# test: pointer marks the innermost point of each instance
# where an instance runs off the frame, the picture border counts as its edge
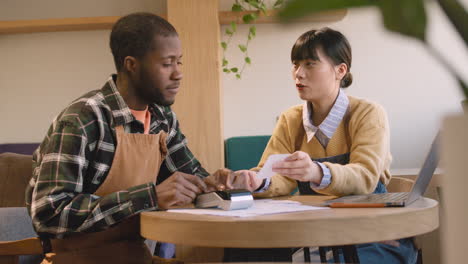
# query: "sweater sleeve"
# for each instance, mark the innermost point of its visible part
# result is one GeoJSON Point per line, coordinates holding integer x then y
{"type": "Point", "coordinates": [280, 143]}
{"type": "Point", "coordinates": [369, 154]}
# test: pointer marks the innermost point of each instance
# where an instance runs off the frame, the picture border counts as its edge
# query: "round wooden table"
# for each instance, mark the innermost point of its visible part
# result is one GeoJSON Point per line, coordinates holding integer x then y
{"type": "Point", "coordinates": [329, 227]}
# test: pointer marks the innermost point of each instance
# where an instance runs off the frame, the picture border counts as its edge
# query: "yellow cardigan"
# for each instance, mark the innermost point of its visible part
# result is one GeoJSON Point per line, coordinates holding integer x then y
{"type": "Point", "coordinates": [366, 136]}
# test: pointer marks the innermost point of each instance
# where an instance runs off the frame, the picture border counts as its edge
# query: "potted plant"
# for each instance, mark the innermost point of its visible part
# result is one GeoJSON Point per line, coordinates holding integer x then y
{"type": "Point", "coordinates": [408, 17]}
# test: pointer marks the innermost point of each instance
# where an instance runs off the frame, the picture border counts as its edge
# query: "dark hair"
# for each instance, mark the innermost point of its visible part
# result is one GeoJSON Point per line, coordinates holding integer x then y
{"type": "Point", "coordinates": [132, 35]}
{"type": "Point", "coordinates": [334, 45]}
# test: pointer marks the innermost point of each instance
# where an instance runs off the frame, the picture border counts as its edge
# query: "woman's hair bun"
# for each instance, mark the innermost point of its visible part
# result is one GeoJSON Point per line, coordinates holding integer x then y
{"type": "Point", "coordinates": [347, 80]}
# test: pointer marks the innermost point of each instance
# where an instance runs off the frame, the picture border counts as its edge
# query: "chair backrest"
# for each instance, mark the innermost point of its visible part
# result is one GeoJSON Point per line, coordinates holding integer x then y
{"type": "Point", "coordinates": [399, 184]}
{"type": "Point", "coordinates": [15, 173]}
{"type": "Point", "coordinates": [244, 152]}
{"type": "Point", "coordinates": [20, 148]}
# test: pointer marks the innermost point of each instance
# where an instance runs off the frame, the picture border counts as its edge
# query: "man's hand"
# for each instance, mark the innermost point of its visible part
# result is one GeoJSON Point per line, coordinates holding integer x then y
{"type": "Point", "coordinates": [179, 189]}
{"type": "Point", "coordinates": [299, 166]}
{"type": "Point", "coordinates": [218, 180]}
{"type": "Point", "coordinates": [227, 179]}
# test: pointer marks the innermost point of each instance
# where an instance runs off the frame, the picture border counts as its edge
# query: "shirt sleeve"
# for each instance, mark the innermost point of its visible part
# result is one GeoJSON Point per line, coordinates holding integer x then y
{"type": "Point", "coordinates": [179, 156]}
{"type": "Point", "coordinates": [280, 143]}
{"type": "Point", "coordinates": [60, 202]}
{"type": "Point", "coordinates": [326, 179]}
{"type": "Point", "coordinates": [266, 185]}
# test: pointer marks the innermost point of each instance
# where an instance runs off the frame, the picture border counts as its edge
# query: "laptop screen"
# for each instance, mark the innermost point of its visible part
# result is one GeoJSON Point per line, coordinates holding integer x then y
{"type": "Point", "coordinates": [426, 172]}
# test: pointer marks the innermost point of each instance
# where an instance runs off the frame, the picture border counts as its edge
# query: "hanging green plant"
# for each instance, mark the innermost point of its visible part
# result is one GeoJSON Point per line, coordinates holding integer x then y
{"type": "Point", "coordinates": [255, 8]}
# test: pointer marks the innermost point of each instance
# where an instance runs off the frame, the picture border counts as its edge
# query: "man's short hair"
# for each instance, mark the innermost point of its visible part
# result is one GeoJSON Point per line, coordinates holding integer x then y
{"type": "Point", "coordinates": [133, 34]}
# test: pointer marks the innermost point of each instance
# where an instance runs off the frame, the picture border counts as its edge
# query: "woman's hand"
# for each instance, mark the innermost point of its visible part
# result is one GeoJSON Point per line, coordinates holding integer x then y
{"type": "Point", "coordinates": [299, 166]}
{"type": "Point", "coordinates": [248, 180]}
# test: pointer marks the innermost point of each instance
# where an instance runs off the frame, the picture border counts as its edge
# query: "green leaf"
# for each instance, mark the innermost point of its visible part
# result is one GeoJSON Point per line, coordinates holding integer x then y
{"type": "Point", "coordinates": [464, 87]}
{"type": "Point", "coordinates": [247, 60]}
{"type": "Point", "coordinates": [278, 3]}
{"type": "Point", "coordinates": [238, 76]}
{"type": "Point", "coordinates": [300, 8]}
{"type": "Point", "coordinates": [405, 17]}
{"type": "Point", "coordinates": [457, 15]}
{"type": "Point", "coordinates": [249, 18]}
{"type": "Point", "coordinates": [243, 48]}
{"type": "Point", "coordinates": [229, 32]}
{"type": "Point", "coordinates": [234, 69]}
{"type": "Point", "coordinates": [237, 8]}
{"type": "Point", "coordinates": [224, 45]}
{"type": "Point", "coordinates": [226, 70]}
{"type": "Point", "coordinates": [254, 3]}
{"type": "Point", "coordinates": [253, 31]}
{"type": "Point", "coordinates": [263, 8]}
{"type": "Point", "coordinates": [225, 62]}
{"type": "Point", "coordinates": [233, 26]}
{"type": "Point", "coordinates": [258, 5]}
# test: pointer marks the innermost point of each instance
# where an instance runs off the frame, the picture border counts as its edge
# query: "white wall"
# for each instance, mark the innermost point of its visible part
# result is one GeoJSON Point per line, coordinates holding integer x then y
{"type": "Point", "coordinates": [42, 72]}
{"type": "Point", "coordinates": [43, 9]}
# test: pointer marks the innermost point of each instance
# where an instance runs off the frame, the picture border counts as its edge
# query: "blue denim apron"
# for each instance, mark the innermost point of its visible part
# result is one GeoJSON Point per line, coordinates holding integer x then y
{"type": "Point", "coordinates": [370, 252]}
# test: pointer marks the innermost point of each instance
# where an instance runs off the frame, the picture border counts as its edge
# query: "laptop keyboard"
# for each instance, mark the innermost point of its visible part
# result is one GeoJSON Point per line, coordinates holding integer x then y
{"type": "Point", "coordinates": [386, 197]}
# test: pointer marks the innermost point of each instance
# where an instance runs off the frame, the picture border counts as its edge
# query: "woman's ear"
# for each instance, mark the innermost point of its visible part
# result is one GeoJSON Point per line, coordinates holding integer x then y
{"type": "Point", "coordinates": [341, 70]}
{"type": "Point", "coordinates": [131, 64]}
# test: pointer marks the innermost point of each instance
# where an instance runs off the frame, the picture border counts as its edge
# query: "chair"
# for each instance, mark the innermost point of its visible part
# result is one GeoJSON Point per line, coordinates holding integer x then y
{"type": "Point", "coordinates": [399, 184]}
{"type": "Point", "coordinates": [20, 148]}
{"type": "Point", "coordinates": [429, 245]}
{"type": "Point", "coordinates": [244, 152]}
{"type": "Point", "coordinates": [396, 184]}
{"type": "Point", "coordinates": [15, 173]}
{"type": "Point", "coordinates": [18, 241]}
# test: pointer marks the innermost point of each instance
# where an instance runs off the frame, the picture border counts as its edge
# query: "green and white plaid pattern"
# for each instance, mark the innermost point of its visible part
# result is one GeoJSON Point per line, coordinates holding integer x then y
{"type": "Point", "coordinates": [75, 158]}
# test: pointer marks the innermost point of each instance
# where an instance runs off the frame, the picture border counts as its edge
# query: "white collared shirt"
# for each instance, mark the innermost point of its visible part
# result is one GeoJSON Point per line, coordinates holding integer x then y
{"type": "Point", "coordinates": [324, 132]}
{"type": "Point", "coordinates": [331, 122]}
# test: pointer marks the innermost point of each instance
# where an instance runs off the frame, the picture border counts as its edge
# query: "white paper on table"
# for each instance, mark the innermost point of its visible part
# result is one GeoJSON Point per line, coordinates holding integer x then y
{"type": "Point", "coordinates": [267, 169]}
{"type": "Point", "coordinates": [260, 207]}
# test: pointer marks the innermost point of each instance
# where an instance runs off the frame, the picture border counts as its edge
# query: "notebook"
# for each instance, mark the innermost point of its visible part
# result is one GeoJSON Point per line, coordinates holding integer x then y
{"type": "Point", "coordinates": [395, 199]}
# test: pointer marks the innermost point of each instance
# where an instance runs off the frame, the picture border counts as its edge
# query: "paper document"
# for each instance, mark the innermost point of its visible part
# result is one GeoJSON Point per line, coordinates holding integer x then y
{"type": "Point", "coordinates": [267, 169]}
{"type": "Point", "coordinates": [260, 207]}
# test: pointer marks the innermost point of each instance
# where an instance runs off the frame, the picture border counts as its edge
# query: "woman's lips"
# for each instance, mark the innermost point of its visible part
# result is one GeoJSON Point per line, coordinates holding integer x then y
{"type": "Point", "coordinates": [300, 87]}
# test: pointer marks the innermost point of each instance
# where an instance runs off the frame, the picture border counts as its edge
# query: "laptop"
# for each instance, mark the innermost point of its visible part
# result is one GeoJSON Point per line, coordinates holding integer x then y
{"type": "Point", "coordinates": [395, 199]}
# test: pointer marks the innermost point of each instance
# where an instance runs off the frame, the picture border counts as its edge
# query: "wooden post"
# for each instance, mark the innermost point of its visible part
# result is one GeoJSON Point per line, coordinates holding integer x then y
{"type": "Point", "coordinates": [198, 104]}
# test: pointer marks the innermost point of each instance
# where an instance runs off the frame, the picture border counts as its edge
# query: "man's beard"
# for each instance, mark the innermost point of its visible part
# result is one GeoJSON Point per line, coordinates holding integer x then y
{"type": "Point", "coordinates": [148, 92]}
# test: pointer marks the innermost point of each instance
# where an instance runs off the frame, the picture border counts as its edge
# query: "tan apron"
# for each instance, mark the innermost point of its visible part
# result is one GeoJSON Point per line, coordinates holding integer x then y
{"type": "Point", "coordinates": [137, 160]}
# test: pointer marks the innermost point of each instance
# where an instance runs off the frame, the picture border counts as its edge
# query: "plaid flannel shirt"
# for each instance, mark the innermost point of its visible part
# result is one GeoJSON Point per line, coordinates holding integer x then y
{"type": "Point", "coordinates": [75, 158]}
